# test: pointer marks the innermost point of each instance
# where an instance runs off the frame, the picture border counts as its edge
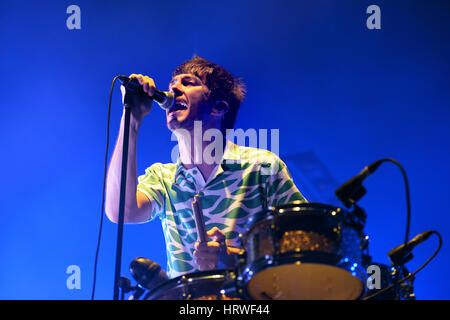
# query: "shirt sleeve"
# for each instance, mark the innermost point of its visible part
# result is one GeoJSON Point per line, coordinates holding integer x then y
{"type": "Point", "coordinates": [152, 186]}
{"type": "Point", "coordinates": [280, 187]}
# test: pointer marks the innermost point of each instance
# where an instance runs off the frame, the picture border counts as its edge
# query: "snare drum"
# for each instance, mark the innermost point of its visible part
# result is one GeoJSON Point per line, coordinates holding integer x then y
{"type": "Point", "coordinates": [203, 285]}
{"type": "Point", "coordinates": [302, 251]}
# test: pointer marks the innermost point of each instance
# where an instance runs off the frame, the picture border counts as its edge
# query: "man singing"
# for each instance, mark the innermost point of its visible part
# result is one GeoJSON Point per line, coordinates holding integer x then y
{"type": "Point", "coordinates": [240, 182]}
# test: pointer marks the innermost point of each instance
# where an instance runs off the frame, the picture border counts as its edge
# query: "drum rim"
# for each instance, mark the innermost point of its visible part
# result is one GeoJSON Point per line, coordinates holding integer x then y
{"type": "Point", "coordinates": [186, 278]}
{"type": "Point", "coordinates": [273, 212]}
{"type": "Point", "coordinates": [304, 204]}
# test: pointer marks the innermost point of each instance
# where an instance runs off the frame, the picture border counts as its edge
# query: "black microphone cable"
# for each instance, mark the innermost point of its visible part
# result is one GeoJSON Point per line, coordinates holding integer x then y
{"type": "Point", "coordinates": [411, 274]}
{"type": "Point", "coordinates": [408, 198]}
{"type": "Point", "coordinates": [103, 188]}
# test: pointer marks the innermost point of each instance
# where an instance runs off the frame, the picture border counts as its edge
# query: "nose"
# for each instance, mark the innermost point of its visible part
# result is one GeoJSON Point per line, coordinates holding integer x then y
{"type": "Point", "coordinates": [176, 91]}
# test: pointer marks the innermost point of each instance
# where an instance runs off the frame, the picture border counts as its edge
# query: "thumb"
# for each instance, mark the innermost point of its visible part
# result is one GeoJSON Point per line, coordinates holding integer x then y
{"type": "Point", "coordinates": [217, 235]}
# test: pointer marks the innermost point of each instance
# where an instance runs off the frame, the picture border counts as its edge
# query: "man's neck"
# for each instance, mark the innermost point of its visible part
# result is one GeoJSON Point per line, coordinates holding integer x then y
{"type": "Point", "coordinates": [195, 152]}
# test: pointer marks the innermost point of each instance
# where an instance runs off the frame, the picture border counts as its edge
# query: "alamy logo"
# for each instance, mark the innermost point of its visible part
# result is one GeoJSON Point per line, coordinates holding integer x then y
{"type": "Point", "coordinates": [374, 20]}
{"type": "Point", "coordinates": [374, 279]}
{"type": "Point", "coordinates": [74, 280]}
{"type": "Point", "coordinates": [74, 20]}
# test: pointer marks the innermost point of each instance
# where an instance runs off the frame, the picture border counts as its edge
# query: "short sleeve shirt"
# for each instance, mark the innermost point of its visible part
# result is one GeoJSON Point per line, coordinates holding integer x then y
{"type": "Point", "coordinates": [247, 181]}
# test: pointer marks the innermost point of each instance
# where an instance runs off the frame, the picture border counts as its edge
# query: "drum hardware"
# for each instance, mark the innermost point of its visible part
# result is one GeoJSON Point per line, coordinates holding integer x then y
{"type": "Point", "coordinates": [403, 290]}
{"type": "Point", "coordinates": [232, 287]}
{"type": "Point", "coordinates": [365, 243]}
{"type": "Point", "coordinates": [185, 290]}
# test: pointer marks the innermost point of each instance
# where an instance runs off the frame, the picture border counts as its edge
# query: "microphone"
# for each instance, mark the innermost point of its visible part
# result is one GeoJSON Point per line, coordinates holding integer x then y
{"type": "Point", "coordinates": [125, 285]}
{"type": "Point", "coordinates": [353, 190]}
{"type": "Point", "coordinates": [137, 293]}
{"type": "Point", "coordinates": [401, 254]}
{"type": "Point", "coordinates": [147, 273]}
{"type": "Point", "coordinates": [165, 99]}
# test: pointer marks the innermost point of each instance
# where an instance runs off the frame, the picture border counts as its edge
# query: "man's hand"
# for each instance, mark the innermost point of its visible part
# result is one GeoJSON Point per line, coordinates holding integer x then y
{"type": "Point", "coordinates": [142, 103]}
{"type": "Point", "coordinates": [207, 254]}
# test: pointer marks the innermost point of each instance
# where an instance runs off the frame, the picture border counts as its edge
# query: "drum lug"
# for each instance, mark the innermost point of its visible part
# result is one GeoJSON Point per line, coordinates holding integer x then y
{"type": "Point", "coordinates": [241, 240]}
{"type": "Point", "coordinates": [273, 235]}
{"type": "Point", "coordinates": [365, 242]}
{"type": "Point", "coordinates": [186, 294]}
{"type": "Point", "coordinates": [242, 259]}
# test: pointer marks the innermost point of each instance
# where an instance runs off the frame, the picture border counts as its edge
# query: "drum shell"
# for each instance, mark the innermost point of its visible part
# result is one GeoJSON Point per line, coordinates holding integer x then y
{"type": "Point", "coordinates": [296, 232]}
{"type": "Point", "coordinates": [302, 233]}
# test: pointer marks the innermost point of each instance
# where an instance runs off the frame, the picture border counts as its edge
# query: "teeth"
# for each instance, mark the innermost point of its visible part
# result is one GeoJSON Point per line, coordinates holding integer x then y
{"type": "Point", "coordinates": [177, 106]}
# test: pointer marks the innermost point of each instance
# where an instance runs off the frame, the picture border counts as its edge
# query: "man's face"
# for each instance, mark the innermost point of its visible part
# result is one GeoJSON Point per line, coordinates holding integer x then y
{"type": "Point", "coordinates": [191, 102]}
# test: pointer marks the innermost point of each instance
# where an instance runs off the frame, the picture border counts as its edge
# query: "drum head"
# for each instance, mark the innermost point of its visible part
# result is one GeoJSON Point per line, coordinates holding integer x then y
{"type": "Point", "coordinates": [304, 281]}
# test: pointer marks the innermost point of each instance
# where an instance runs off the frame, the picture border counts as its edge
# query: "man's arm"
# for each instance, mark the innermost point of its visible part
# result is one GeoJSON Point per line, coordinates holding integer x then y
{"type": "Point", "coordinates": [137, 204]}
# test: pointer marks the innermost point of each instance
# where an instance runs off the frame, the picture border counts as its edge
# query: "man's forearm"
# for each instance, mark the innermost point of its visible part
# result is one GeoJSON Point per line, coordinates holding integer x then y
{"type": "Point", "coordinates": [114, 175]}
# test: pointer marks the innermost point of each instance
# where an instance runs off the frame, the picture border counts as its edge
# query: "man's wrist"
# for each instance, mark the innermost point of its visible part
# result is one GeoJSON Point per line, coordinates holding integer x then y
{"type": "Point", "coordinates": [228, 256]}
{"type": "Point", "coordinates": [135, 123]}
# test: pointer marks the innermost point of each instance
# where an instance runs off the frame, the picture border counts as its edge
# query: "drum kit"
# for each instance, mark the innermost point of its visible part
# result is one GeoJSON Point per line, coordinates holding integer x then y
{"type": "Point", "coordinates": [295, 251]}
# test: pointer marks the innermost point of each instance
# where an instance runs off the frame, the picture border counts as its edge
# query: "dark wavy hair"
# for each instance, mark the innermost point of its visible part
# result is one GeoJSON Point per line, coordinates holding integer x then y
{"type": "Point", "coordinates": [221, 83]}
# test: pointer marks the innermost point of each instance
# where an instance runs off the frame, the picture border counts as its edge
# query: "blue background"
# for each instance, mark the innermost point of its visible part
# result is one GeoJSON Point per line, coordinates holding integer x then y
{"type": "Point", "coordinates": [337, 91]}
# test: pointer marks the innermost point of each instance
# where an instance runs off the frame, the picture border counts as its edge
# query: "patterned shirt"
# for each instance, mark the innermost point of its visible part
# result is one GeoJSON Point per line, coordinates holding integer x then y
{"type": "Point", "coordinates": [247, 181]}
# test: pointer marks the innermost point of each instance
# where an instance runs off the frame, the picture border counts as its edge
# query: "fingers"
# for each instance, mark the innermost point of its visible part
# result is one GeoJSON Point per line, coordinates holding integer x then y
{"type": "Point", "coordinates": [147, 83]}
{"type": "Point", "coordinates": [207, 247]}
{"type": "Point", "coordinates": [206, 255]}
{"type": "Point", "coordinates": [204, 264]}
{"type": "Point", "coordinates": [216, 235]}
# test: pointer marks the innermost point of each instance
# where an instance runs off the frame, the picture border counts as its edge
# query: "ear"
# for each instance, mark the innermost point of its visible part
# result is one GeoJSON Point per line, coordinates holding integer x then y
{"type": "Point", "coordinates": [219, 108]}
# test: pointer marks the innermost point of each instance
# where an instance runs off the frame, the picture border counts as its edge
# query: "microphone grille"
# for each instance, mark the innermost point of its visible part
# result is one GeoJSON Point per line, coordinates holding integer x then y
{"type": "Point", "coordinates": [168, 102]}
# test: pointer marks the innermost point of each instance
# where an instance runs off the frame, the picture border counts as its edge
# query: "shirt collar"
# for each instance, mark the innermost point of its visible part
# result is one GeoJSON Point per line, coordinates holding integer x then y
{"type": "Point", "coordinates": [231, 156]}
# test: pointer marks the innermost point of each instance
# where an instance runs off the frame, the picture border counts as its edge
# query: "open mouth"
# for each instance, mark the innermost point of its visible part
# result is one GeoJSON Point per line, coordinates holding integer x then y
{"type": "Point", "coordinates": [179, 105]}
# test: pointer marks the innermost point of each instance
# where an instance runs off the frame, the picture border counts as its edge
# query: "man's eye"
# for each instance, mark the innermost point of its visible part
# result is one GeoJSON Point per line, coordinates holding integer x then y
{"type": "Point", "coordinates": [189, 83]}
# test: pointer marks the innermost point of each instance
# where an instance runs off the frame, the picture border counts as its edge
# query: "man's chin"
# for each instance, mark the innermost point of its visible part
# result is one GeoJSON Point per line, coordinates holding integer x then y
{"type": "Point", "coordinates": [173, 124]}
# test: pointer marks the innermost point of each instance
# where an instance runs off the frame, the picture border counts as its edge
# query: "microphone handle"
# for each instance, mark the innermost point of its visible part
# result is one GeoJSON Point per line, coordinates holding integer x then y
{"type": "Point", "coordinates": [134, 86]}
